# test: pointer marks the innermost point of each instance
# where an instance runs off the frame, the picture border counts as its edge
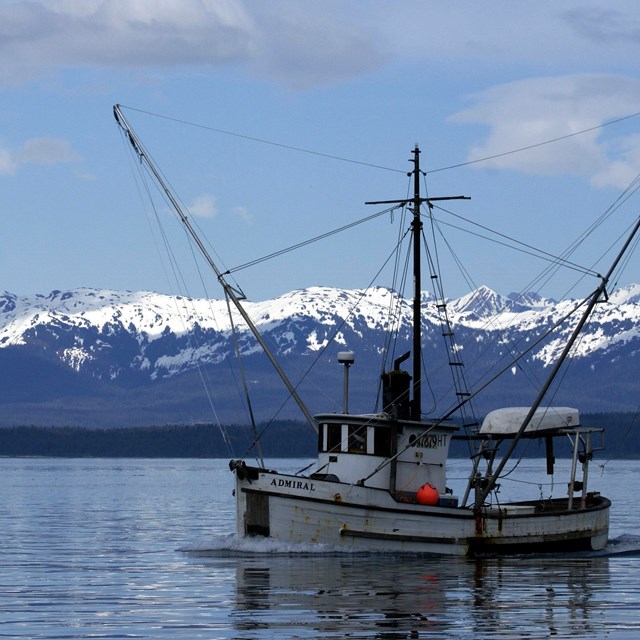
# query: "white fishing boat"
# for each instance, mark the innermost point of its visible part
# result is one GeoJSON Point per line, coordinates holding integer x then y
{"type": "Point", "coordinates": [380, 480]}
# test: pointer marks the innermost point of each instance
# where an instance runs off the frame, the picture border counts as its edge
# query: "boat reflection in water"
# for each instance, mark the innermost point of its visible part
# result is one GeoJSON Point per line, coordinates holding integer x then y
{"type": "Point", "coordinates": [414, 596]}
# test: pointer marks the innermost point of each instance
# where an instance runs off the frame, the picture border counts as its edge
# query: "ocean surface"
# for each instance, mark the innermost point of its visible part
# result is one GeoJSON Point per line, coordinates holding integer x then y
{"type": "Point", "coordinates": [119, 548]}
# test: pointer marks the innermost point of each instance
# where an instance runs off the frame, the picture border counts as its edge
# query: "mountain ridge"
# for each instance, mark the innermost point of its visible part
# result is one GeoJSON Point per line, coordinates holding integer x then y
{"type": "Point", "coordinates": [119, 348]}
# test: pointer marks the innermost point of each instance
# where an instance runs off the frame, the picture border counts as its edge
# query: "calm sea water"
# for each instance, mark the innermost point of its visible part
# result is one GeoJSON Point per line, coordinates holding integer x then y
{"type": "Point", "coordinates": [143, 549]}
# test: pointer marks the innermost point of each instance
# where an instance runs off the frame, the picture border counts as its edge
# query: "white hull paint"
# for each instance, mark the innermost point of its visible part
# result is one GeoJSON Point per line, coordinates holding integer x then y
{"type": "Point", "coordinates": [297, 509]}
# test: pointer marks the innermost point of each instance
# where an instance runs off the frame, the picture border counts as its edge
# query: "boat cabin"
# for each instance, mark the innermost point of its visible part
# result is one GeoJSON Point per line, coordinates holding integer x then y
{"type": "Point", "coordinates": [378, 451]}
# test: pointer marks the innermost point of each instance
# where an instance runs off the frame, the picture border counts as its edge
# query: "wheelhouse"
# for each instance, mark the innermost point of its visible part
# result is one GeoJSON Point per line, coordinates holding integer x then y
{"type": "Point", "coordinates": [377, 451]}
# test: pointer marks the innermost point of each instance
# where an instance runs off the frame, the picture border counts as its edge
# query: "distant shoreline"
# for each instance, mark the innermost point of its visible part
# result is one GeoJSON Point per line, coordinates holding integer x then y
{"type": "Point", "coordinates": [282, 439]}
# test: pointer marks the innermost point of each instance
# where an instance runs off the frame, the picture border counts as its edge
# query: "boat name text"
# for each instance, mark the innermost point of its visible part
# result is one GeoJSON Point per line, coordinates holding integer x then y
{"type": "Point", "coordinates": [429, 441]}
{"type": "Point", "coordinates": [293, 484]}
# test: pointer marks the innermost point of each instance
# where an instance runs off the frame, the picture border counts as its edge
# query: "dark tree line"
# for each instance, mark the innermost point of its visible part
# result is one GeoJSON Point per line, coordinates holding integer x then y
{"type": "Point", "coordinates": [280, 439]}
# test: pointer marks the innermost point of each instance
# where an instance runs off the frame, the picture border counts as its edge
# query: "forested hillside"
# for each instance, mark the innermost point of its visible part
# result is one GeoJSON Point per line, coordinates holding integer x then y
{"type": "Point", "coordinates": [278, 440]}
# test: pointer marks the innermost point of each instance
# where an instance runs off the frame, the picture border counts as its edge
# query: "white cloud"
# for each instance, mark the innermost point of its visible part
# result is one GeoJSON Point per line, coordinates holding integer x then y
{"type": "Point", "coordinates": [7, 164]}
{"type": "Point", "coordinates": [37, 151]}
{"type": "Point", "coordinates": [622, 171]}
{"type": "Point", "coordinates": [527, 112]}
{"type": "Point", "coordinates": [303, 44]}
{"type": "Point", "coordinates": [203, 206]}
{"type": "Point", "coordinates": [298, 44]}
{"type": "Point", "coordinates": [46, 151]}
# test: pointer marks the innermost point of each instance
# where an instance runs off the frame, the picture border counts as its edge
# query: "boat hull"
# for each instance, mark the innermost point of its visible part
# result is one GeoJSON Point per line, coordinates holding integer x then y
{"type": "Point", "coordinates": [300, 510]}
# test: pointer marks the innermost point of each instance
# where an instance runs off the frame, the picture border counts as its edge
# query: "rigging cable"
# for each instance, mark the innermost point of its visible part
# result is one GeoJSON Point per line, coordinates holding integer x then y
{"type": "Point", "coordinates": [490, 322]}
{"type": "Point", "coordinates": [538, 144]}
{"type": "Point", "coordinates": [247, 397]}
{"type": "Point", "coordinates": [456, 364]}
{"type": "Point", "coordinates": [331, 338]}
{"type": "Point", "coordinates": [395, 309]}
{"type": "Point", "coordinates": [556, 261]}
{"type": "Point", "coordinates": [526, 249]}
{"type": "Point", "coordinates": [375, 166]}
{"type": "Point", "coordinates": [309, 241]}
{"type": "Point", "coordinates": [178, 279]}
{"type": "Point", "coordinates": [263, 141]}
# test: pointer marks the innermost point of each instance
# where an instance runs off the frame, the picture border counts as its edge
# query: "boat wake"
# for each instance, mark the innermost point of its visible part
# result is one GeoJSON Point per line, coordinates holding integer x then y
{"type": "Point", "coordinates": [624, 545]}
{"type": "Point", "coordinates": [232, 544]}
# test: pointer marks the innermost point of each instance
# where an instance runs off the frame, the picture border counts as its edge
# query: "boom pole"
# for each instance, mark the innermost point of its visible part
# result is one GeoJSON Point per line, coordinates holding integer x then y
{"type": "Point", "coordinates": [228, 289]}
{"type": "Point", "coordinates": [593, 300]}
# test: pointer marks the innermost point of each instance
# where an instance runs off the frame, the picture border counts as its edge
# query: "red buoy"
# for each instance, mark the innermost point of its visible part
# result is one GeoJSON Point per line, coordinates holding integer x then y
{"type": "Point", "coordinates": [427, 494]}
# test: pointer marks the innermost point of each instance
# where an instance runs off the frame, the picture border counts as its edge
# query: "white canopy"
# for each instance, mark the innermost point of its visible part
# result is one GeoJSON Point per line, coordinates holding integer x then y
{"type": "Point", "coordinates": [507, 421]}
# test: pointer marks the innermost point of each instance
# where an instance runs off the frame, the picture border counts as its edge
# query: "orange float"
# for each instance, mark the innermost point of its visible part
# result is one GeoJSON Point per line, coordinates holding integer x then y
{"type": "Point", "coordinates": [427, 494]}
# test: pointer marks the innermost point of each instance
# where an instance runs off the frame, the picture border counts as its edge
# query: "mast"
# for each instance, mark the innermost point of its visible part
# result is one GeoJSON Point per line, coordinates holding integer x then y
{"type": "Point", "coordinates": [231, 293]}
{"type": "Point", "coordinates": [416, 231]}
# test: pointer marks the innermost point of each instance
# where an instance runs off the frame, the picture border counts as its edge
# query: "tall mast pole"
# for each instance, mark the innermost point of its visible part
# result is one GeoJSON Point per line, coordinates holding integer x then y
{"type": "Point", "coordinates": [416, 230]}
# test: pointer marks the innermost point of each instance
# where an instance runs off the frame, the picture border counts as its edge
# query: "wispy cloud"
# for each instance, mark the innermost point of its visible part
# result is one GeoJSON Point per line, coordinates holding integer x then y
{"type": "Point", "coordinates": [527, 112]}
{"type": "Point", "coordinates": [38, 151]}
{"type": "Point", "coordinates": [242, 213]}
{"type": "Point", "coordinates": [203, 206]}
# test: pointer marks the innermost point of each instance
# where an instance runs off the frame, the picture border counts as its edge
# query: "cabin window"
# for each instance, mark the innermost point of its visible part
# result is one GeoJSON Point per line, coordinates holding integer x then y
{"type": "Point", "coordinates": [357, 438]}
{"type": "Point", "coordinates": [352, 438]}
{"type": "Point", "coordinates": [382, 442]}
{"type": "Point", "coordinates": [334, 437]}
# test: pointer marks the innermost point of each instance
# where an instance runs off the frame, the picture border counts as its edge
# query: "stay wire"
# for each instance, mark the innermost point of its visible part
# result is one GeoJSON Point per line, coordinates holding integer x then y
{"type": "Point", "coordinates": [536, 145]}
{"type": "Point", "coordinates": [304, 243]}
{"type": "Point", "coordinates": [372, 165]}
{"type": "Point", "coordinates": [177, 276]}
{"type": "Point", "coordinates": [247, 397]}
{"type": "Point", "coordinates": [526, 249]}
{"type": "Point", "coordinates": [458, 373]}
{"type": "Point", "coordinates": [469, 365]}
{"type": "Point", "coordinates": [264, 141]}
{"type": "Point", "coordinates": [394, 311]}
{"type": "Point", "coordinates": [329, 341]}
{"type": "Point", "coordinates": [546, 274]}
{"type": "Point", "coordinates": [629, 191]}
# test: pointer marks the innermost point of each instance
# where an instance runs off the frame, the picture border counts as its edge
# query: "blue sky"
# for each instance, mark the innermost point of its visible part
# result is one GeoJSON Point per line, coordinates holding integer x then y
{"type": "Point", "coordinates": [363, 81]}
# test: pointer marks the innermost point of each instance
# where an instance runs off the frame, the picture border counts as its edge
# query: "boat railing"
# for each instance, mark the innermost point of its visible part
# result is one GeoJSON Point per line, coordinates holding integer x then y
{"type": "Point", "coordinates": [583, 448]}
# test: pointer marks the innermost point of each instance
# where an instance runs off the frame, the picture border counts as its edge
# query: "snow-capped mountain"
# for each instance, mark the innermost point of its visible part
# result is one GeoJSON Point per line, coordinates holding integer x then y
{"type": "Point", "coordinates": [112, 357]}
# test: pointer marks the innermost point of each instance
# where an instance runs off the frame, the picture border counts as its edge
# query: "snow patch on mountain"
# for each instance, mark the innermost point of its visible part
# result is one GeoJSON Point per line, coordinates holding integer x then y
{"type": "Point", "coordinates": [109, 333]}
{"type": "Point", "coordinates": [626, 295]}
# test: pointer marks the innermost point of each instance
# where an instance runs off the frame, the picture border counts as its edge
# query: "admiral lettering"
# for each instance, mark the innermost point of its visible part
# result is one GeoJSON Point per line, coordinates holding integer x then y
{"type": "Point", "coordinates": [293, 484]}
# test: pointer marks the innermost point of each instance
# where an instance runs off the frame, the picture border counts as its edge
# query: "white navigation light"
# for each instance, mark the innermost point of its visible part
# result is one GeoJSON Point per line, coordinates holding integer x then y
{"type": "Point", "coordinates": [346, 357]}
